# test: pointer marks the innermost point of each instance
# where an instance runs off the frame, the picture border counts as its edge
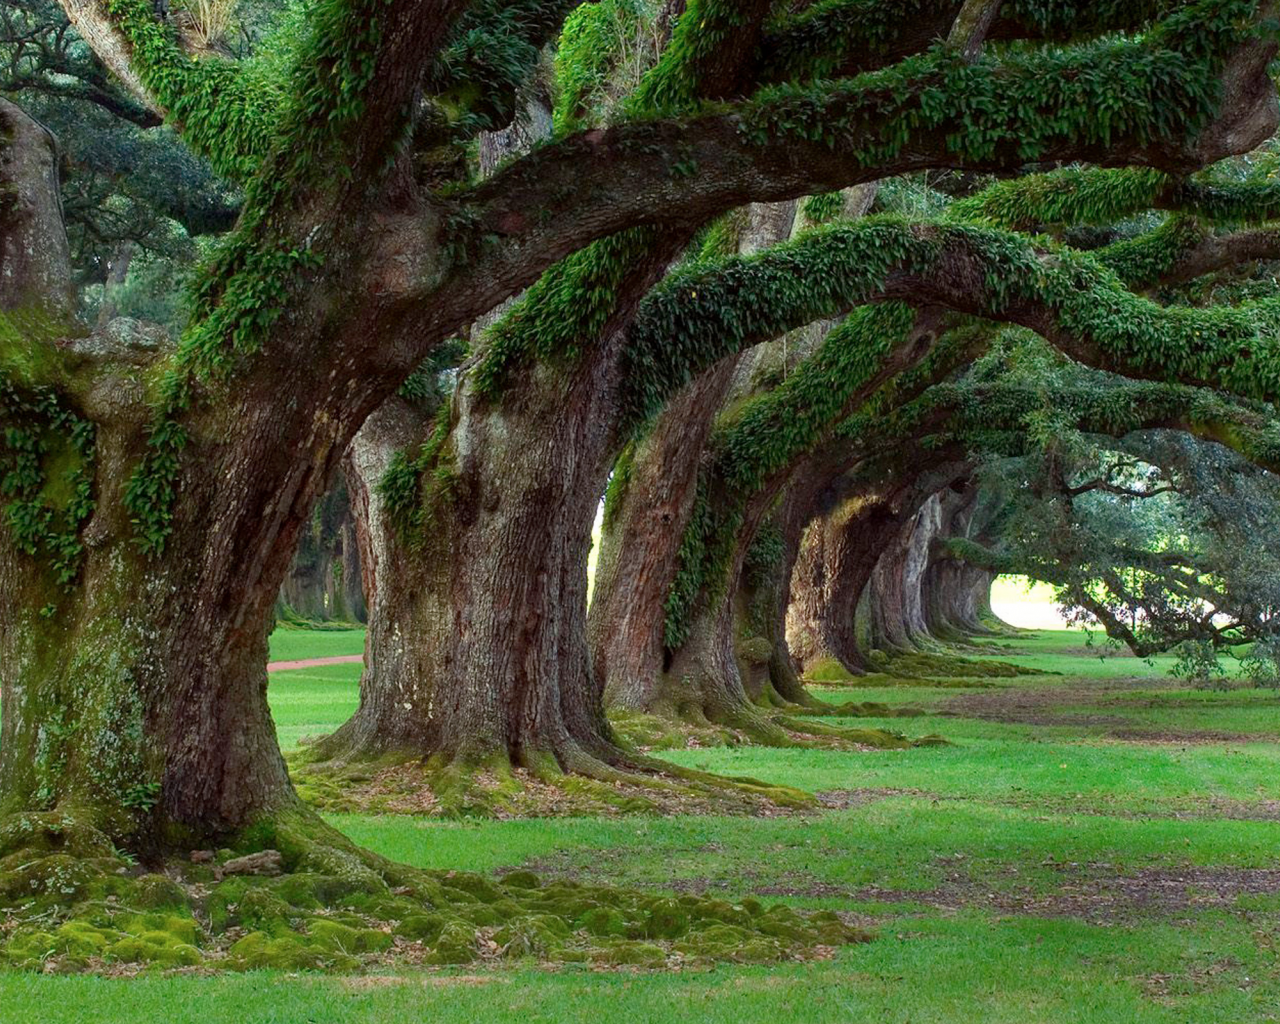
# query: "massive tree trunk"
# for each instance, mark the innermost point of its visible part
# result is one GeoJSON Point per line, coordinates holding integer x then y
{"type": "Point", "coordinates": [399, 659]}
{"type": "Point", "coordinates": [723, 668]}
{"type": "Point", "coordinates": [844, 550]}
{"type": "Point", "coordinates": [133, 676]}
{"type": "Point", "coordinates": [651, 501]}
{"type": "Point", "coordinates": [894, 592]}
{"type": "Point", "coordinates": [837, 556]}
{"type": "Point", "coordinates": [477, 649]}
{"type": "Point", "coordinates": [647, 509]}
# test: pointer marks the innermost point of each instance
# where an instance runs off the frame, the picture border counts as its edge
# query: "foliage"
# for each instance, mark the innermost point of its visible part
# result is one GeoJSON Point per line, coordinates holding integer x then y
{"type": "Point", "coordinates": [46, 476]}
{"type": "Point", "coordinates": [1167, 542]}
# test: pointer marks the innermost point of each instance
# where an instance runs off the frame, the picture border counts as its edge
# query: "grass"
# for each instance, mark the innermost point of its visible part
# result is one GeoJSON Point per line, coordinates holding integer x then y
{"type": "Point", "coordinates": [1075, 653]}
{"type": "Point", "coordinates": [297, 644]}
{"type": "Point", "coordinates": [313, 701]}
{"type": "Point", "coordinates": [989, 869]}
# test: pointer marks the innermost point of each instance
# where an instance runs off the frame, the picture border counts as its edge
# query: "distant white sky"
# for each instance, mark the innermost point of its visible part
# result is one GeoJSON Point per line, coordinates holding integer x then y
{"type": "Point", "coordinates": [1029, 607]}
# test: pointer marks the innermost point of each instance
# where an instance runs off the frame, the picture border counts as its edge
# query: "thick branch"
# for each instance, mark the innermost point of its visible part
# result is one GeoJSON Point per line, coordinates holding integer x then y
{"type": "Point", "coordinates": [698, 317]}
{"type": "Point", "coordinates": [972, 25]}
{"type": "Point", "coordinates": [788, 144]}
{"type": "Point", "coordinates": [96, 27]}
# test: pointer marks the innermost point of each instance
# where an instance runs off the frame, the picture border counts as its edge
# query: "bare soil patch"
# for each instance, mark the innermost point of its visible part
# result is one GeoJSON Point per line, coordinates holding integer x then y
{"type": "Point", "coordinates": [1048, 706]}
{"type": "Point", "coordinates": [1091, 894]}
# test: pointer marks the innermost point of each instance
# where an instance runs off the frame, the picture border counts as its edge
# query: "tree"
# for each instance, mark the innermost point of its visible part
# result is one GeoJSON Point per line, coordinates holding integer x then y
{"type": "Point", "coordinates": [208, 459]}
{"type": "Point", "coordinates": [1163, 540]}
{"type": "Point", "coordinates": [78, 747]}
{"type": "Point", "coordinates": [505, 493]}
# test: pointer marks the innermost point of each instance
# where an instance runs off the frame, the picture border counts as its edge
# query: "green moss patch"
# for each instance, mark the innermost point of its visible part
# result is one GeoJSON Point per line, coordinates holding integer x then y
{"type": "Point", "coordinates": [920, 665]}
{"type": "Point", "coordinates": [406, 784]}
{"type": "Point", "coordinates": [95, 912]}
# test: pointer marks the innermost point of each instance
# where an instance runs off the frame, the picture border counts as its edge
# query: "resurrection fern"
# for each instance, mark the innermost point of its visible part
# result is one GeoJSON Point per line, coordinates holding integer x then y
{"type": "Point", "coordinates": [414, 486]}
{"type": "Point", "coordinates": [833, 37]}
{"type": "Point", "coordinates": [46, 476]}
{"type": "Point", "coordinates": [1161, 86]}
{"type": "Point", "coordinates": [1104, 196]}
{"type": "Point", "coordinates": [228, 117]}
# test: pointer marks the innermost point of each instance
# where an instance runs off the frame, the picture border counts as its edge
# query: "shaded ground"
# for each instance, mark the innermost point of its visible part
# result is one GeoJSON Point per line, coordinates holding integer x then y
{"type": "Point", "coordinates": [1089, 892]}
{"type": "Point", "coordinates": [1107, 706]}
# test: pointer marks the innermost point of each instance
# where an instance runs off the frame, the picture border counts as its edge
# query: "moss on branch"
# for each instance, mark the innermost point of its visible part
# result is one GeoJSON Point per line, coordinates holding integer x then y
{"type": "Point", "coordinates": [1107, 195]}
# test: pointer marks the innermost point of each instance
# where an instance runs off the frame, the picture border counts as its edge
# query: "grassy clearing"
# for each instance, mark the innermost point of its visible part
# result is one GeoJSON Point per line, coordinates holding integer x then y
{"type": "Point", "coordinates": [313, 701]}
{"type": "Point", "coordinates": [1098, 846]}
{"type": "Point", "coordinates": [297, 644]}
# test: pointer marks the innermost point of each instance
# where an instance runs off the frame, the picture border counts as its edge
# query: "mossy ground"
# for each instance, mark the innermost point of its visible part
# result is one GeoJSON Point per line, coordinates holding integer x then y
{"type": "Point", "coordinates": [69, 903]}
{"type": "Point", "coordinates": [1031, 871]}
{"type": "Point", "coordinates": [949, 669]}
{"type": "Point", "coordinates": [408, 783]}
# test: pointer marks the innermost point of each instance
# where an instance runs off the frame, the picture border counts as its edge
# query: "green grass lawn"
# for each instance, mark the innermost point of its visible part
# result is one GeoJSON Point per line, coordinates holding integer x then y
{"type": "Point", "coordinates": [1097, 846]}
{"type": "Point", "coordinates": [297, 644]}
{"type": "Point", "coordinates": [313, 701]}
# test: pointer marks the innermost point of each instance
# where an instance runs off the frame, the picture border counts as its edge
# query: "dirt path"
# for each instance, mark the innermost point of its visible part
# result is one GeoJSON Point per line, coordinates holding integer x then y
{"type": "Point", "coordinates": [289, 666]}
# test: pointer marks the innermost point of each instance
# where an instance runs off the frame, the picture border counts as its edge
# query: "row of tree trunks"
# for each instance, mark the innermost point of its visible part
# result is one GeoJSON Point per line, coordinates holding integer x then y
{"type": "Point", "coordinates": [646, 517]}
{"type": "Point", "coordinates": [477, 650]}
{"type": "Point", "coordinates": [734, 655]}
{"type": "Point", "coordinates": [836, 558]}
{"type": "Point", "coordinates": [878, 542]}
{"type": "Point", "coordinates": [324, 583]}
{"type": "Point", "coordinates": [957, 595]}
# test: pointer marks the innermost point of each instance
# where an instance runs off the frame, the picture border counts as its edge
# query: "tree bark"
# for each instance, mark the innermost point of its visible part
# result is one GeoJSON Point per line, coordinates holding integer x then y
{"type": "Point", "coordinates": [957, 596]}
{"type": "Point", "coordinates": [837, 557]}
{"type": "Point", "coordinates": [649, 509]}
{"type": "Point", "coordinates": [134, 683]}
{"type": "Point", "coordinates": [401, 668]}
{"type": "Point", "coordinates": [895, 596]}
{"type": "Point", "coordinates": [323, 583]}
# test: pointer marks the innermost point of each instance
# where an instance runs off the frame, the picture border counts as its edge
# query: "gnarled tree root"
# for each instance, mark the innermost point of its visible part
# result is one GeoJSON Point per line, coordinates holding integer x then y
{"type": "Point", "coordinates": [306, 898]}
{"type": "Point", "coordinates": [569, 781]}
{"type": "Point", "coordinates": [792, 727]}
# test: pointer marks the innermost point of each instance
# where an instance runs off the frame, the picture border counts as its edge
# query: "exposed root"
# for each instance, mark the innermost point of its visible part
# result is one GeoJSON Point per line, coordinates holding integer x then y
{"type": "Point", "coordinates": [917, 669]}
{"type": "Point", "coordinates": [853, 709]}
{"type": "Point", "coordinates": [795, 727]}
{"type": "Point", "coordinates": [876, 739]}
{"type": "Point", "coordinates": [920, 665]}
{"type": "Point", "coordinates": [70, 902]}
{"type": "Point", "coordinates": [573, 784]}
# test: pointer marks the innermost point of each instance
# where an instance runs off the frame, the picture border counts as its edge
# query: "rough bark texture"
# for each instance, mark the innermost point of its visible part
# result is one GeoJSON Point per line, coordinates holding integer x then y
{"type": "Point", "coordinates": [956, 595]}
{"type": "Point", "coordinates": [324, 580]}
{"type": "Point", "coordinates": [401, 662]}
{"type": "Point", "coordinates": [35, 258]}
{"type": "Point", "coordinates": [137, 687]}
{"type": "Point", "coordinates": [649, 508]}
{"type": "Point", "coordinates": [837, 557]}
{"type": "Point", "coordinates": [845, 547]}
{"type": "Point", "coordinates": [895, 595]}
{"type": "Point", "coordinates": [917, 595]}
{"type": "Point", "coordinates": [646, 514]}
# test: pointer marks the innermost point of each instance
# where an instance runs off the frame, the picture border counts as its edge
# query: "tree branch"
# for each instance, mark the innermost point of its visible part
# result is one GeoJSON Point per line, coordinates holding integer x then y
{"type": "Point", "coordinates": [783, 145]}
{"type": "Point", "coordinates": [96, 27]}
{"type": "Point", "coordinates": [972, 25]}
